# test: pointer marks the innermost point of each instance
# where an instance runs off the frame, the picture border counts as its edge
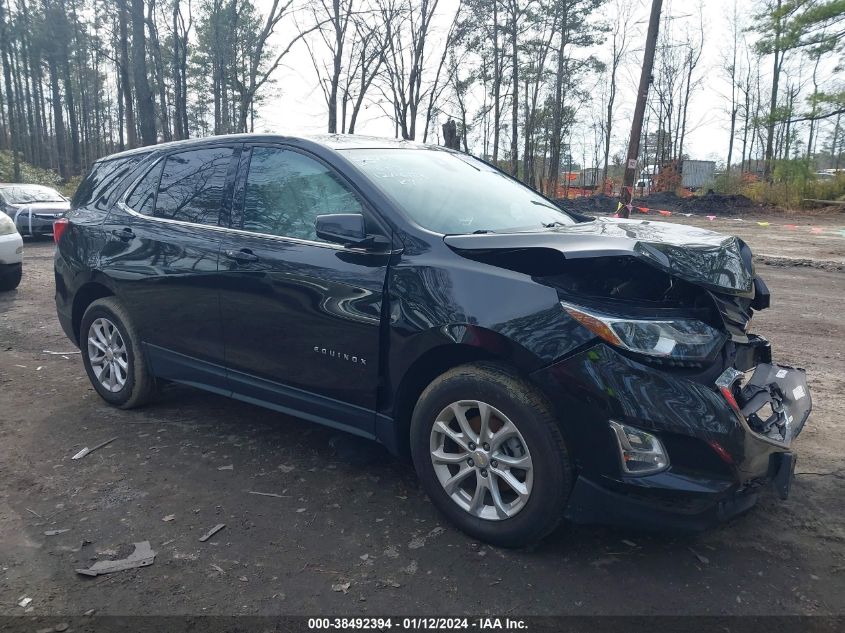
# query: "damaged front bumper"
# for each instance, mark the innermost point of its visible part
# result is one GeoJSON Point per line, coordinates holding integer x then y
{"type": "Point", "coordinates": [727, 437]}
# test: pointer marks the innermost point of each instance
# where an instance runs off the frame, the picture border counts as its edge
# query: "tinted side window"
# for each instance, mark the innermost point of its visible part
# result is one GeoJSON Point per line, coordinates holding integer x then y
{"type": "Point", "coordinates": [286, 191]}
{"type": "Point", "coordinates": [103, 181]}
{"type": "Point", "coordinates": [192, 185]}
{"type": "Point", "coordinates": [143, 196]}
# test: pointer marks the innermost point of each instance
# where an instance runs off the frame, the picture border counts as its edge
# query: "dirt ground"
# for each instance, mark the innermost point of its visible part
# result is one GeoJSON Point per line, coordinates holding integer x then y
{"type": "Point", "coordinates": [335, 520]}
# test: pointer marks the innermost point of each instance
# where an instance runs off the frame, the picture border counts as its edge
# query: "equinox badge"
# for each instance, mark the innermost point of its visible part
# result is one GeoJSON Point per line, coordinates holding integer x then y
{"type": "Point", "coordinates": [340, 355]}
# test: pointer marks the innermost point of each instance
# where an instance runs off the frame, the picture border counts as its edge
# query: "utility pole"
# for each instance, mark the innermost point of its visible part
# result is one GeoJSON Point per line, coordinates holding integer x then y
{"type": "Point", "coordinates": [639, 111]}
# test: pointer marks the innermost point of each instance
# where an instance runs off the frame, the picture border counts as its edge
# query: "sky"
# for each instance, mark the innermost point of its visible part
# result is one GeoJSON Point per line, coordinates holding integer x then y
{"type": "Point", "coordinates": [296, 103]}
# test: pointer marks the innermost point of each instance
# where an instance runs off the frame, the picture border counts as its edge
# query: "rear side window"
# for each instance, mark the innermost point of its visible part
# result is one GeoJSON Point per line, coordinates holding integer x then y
{"type": "Point", "coordinates": [192, 185]}
{"type": "Point", "coordinates": [143, 196]}
{"type": "Point", "coordinates": [103, 182]}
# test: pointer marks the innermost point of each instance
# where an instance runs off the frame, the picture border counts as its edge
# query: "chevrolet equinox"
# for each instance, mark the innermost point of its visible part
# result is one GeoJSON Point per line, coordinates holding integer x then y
{"type": "Point", "coordinates": [534, 364]}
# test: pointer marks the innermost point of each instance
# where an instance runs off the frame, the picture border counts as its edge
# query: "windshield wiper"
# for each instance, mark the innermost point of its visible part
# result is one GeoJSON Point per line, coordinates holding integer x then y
{"type": "Point", "coordinates": [481, 231]}
{"type": "Point", "coordinates": [543, 204]}
{"type": "Point", "coordinates": [551, 225]}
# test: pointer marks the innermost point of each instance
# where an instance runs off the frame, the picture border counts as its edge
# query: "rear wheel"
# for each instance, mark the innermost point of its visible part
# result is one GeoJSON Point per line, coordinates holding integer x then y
{"type": "Point", "coordinates": [10, 277]}
{"type": "Point", "coordinates": [490, 455]}
{"type": "Point", "coordinates": [113, 357]}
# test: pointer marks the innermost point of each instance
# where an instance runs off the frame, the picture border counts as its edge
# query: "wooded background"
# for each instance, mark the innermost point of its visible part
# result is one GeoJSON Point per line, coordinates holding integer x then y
{"type": "Point", "coordinates": [532, 85]}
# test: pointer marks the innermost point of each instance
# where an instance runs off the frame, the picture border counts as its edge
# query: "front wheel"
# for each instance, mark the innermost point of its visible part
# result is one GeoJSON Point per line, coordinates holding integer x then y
{"type": "Point", "coordinates": [490, 455]}
{"type": "Point", "coordinates": [112, 355]}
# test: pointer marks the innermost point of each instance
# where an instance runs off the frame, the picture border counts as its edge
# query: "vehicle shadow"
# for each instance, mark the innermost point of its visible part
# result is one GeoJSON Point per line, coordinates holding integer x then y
{"type": "Point", "coordinates": [361, 459]}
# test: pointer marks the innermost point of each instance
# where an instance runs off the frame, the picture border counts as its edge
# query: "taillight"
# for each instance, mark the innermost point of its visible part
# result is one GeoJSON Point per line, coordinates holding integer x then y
{"type": "Point", "coordinates": [59, 227]}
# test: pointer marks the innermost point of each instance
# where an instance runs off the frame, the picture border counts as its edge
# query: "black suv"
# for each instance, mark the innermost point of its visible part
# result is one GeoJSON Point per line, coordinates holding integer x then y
{"type": "Point", "coordinates": [535, 364]}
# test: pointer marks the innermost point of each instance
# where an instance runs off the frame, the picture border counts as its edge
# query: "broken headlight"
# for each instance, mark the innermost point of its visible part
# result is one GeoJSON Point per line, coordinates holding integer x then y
{"type": "Point", "coordinates": [677, 338]}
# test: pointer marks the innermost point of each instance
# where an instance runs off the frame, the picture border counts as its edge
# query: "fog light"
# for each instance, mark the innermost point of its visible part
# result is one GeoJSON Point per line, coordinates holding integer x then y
{"type": "Point", "coordinates": [641, 453]}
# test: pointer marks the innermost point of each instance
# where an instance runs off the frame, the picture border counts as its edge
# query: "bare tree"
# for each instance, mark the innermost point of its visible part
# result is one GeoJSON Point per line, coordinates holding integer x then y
{"type": "Point", "coordinates": [260, 63]}
{"type": "Point", "coordinates": [336, 18]}
{"type": "Point", "coordinates": [407, 26]}
{"type": "Point", "coordinates": [733, 72]}
{"type": "Point", "coordinates": [620, 40]}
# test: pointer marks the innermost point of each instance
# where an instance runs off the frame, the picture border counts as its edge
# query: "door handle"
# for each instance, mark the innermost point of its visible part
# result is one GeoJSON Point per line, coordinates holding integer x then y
{"type": "Point", "coordinates": [242, 256]}
{"type": "Point", "coordinates": [125, 235]}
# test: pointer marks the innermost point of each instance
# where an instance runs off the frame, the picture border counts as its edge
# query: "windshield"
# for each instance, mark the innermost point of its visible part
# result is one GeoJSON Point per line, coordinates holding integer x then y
{"type": "Point", "coordinates": [455, 193]}
{"type": "Point", "coordinates": [30, 193]}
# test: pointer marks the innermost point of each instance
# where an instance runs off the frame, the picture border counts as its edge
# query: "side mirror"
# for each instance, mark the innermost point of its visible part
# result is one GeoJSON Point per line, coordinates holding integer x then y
{"type": "Point", "coordinates": [347, 229]}
{"type": "Point", "coordinates": [341, 228]}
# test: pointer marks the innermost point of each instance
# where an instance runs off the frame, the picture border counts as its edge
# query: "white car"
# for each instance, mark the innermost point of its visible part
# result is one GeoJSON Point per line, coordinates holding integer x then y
{"type": "Point", "coordinates": [33, 208]}
{"type": "Point", "coordinates": [11, 254]}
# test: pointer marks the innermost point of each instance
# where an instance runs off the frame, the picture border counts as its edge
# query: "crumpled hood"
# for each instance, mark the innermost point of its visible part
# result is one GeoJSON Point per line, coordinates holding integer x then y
{"type": "Point", "coordinates": [718, 262]}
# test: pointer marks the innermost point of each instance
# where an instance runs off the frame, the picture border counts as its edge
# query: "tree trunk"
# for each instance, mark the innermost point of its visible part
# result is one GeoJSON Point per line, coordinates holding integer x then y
{"type": "Point", "coordinates": [146, 110]}
{"type": "Point", "coordinates": [515, 95]}
{"type": "Point", "coordinates": [70, 101]}
{"type": "Point", "coordinates": [58, 120]}
{"type": "Point", "coordinates": [336, 65]}
{"type": "Point", "coordinates": [557, 111]}
{"type": "Point", "coordinates": [773, 101]}
{"type": "Point", "coordinates": [155, 46]}
{"type": "Point", "coordinates": [125, 85]}
{"type": "Point", "coordinates": [178, 131]}
{"type": "Point", "coordinates": [497, 83]}
{"type": "Point", "coordinates": [10, 97]}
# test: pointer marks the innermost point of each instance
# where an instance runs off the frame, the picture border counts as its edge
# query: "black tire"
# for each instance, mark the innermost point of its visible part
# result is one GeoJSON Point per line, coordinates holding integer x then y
{"type": "Point", "coordinates": [140, 385]}
{"type": "Point", "coordinates": [502, 388]}
{"type": "Point", "coordinates": [11, 278]}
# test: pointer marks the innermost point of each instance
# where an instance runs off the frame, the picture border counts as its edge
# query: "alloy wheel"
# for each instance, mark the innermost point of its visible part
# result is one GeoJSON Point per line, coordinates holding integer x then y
{"type": "Point", "coordinates": [481, 460]}
{"type": "Point", "coordinates": [107, 354]}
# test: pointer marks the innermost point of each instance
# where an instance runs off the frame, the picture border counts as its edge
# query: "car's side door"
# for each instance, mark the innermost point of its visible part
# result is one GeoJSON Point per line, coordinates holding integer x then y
{"type": "Point", "coordinates": [167, 234]}
{"type": "Point", "coordinates": [301, 316]}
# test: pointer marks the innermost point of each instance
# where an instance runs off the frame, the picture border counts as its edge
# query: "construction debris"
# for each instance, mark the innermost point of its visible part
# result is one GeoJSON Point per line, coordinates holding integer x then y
{"type": "Point", "coordinates": [701, 558]}
{"type": "Point", "coordinates": [87, 451]}
{"type": "Point", "coordinates": [55, 532]}
{"type": "Point", "coordinates": [341, 586]}
{"type": "Point", "coordinates": [143, 556]}
{"type": "Point", "coordinates": [168, 518]}
{"type": "Point", "coordinates": [24, 602]}
{"type": "Point", "coordinates": [267, 494]}
{"type": "Point", "coordinates": [212, 532]}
